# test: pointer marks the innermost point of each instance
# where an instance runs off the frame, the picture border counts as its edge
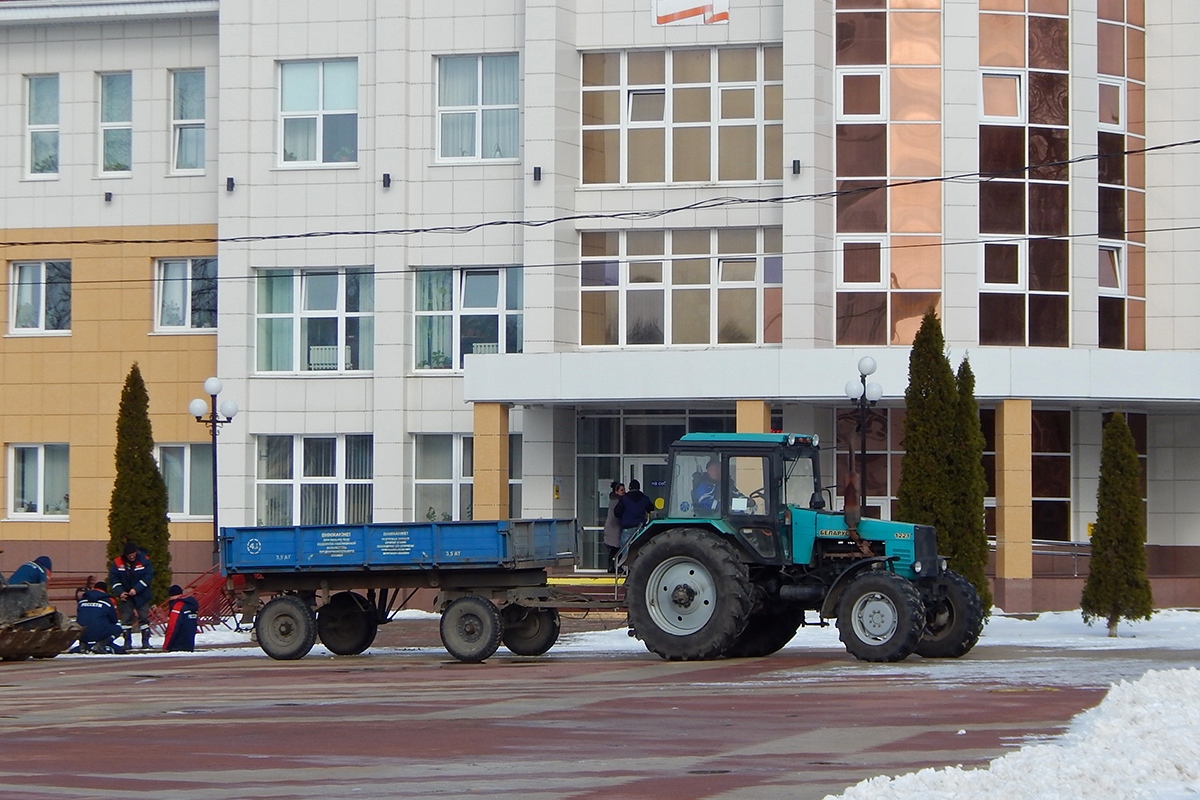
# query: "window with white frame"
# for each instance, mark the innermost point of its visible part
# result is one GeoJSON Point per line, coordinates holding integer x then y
{"type": "Point", "coordinates": [467, 311]}
{"type": "Point", "coordinates": [40, 480]}
{"type": "Point", "coordinates": [444, 477]}
{"type": "Point", "coordinates": [861, 95]}
{"type": "Point", "coordinates": [187, 471]}
{"type": "Point", "coordinates": [315, 480]}
{"type": "Point", "coordinates": [43, 130]}
{"type": "Point", "coordinates": [40, 295]}
{"type": "Point", "coordinates": [187, 120]}
{"type": "Point", "coordinates": [685, 115]}
{"type": "Point", "coordinates": [1001, 97]}
{"type": "Point", "coordinates": [318, 111]}
{"type": "Point", "coordinates": [478, 110]}
{"type": "Point", "coordinates": [681, 287]}
{"type": "Point", "coordinates": [1112, 286]}
{"type": "Point", "coordinates": [316, 320]}
{"type": "Point", "coordinates": [116, 122]}
{"type": "Point", "coordinates": [187, 293]}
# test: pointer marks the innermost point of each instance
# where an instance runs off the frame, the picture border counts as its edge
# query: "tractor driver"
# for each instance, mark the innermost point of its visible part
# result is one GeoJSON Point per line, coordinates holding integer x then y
{"type": "Point", "coordinates": [706, 493]}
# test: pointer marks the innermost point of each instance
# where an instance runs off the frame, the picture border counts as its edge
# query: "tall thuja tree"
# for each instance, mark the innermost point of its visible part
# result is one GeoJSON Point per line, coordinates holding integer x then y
{"type": "Point", "coordinates": [926, 495]}
{"type": "Point", "coordinates": [138, 510]}
{"type": "Point", "coordinates": [969, 538]}
{"type": "Point", "coordinates": [1117, 585]}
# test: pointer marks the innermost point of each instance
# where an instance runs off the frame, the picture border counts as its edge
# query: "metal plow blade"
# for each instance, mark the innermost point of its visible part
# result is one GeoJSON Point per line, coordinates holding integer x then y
{"type": "Point", "coordinates": [41, 635]}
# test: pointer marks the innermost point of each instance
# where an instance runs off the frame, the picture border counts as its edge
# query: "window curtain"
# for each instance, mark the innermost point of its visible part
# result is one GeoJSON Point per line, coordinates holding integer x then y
{"type": "Point", "coordinates": [200, 489]}
{"type": "Point", "coordinates": [29, 295]}
{"type": "Point", "coordinates": [25, 479]}
{"type": "Point", "coordinates": [189, 149]}
{"type": "Point", "coordinates": [173, 294]}
{"type": "Point", "coordinates": [56, 493]}
{"type": "Point", "coordinates": [170, 465]}
{"type": "Point", "coordinates": [458, 82]}
{"type": "Point", "coordinates": [116, 97]}
{"type": "Point", "coordinates": [275, 335]}
{"type": "Point", "coordinates": [501, 79]}
{"type": "Point", "coordinates": [43, 100]}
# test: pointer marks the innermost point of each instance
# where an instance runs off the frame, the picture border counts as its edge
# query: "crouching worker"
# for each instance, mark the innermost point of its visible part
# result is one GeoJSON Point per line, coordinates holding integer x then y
{"type": "Point", "coordinates": [97, 613]}
{"type": "Point", "coordinates": [36, 571]}
{"type": "Point", "coordinates": [181, 627]}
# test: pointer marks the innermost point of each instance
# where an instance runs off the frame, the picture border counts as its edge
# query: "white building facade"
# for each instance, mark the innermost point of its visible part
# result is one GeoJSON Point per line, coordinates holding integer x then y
{"type": "Point", "coordinates": [610, 224]}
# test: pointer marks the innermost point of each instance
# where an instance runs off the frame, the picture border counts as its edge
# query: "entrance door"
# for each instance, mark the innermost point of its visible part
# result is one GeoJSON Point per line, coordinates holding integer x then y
{"type": "Point", "coordinates": [650, 471]}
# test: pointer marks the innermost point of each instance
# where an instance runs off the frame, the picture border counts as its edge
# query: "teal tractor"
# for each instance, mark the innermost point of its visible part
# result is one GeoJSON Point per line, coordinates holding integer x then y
{"type": "Point", "coordinates": [744, 550]}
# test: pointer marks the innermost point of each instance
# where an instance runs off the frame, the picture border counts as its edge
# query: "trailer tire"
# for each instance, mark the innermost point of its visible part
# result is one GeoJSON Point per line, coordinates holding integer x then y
{"type": "Point", "coordinates": [471, 629]}
{"type": "Point", "coordinates": [953, 620]}
{"type": "Point", "coordinates": [285, 628]}
{"type": "Point", "coordinates": [689, 595]}
{"type": "Point", "coordinates": [530, 631]}
{"type": "Point", "coordinates": [880, 617]}
{"type": "Point", "coordinates": [347, 624]}
{"type": "Point", "coordinates": [766, 633]}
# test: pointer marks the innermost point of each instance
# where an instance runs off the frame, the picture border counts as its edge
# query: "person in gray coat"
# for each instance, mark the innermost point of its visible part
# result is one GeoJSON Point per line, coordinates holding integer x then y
{"type": "Point", "coordinates": [612, 525]}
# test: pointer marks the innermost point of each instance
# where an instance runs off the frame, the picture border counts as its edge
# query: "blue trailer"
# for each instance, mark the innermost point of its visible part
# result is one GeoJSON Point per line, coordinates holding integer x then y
{"type": "Point", "coordinates": [340, 582]}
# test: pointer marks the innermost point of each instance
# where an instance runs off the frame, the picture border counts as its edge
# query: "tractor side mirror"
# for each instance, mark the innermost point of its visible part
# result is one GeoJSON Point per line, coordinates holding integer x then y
{"type": "Point", "coordinates": [816, 502]}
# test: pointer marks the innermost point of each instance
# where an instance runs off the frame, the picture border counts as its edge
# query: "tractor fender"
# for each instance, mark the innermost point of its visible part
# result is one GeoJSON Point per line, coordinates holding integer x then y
{"type": "Point", "coordinates": [834, 595]}
{"type": "Point", "coordinates": [656, 528]}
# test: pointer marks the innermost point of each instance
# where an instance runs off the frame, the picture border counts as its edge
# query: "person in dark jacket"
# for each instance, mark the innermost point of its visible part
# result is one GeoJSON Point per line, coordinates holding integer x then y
{"type": "Point", "coordinates": [181, 627]}
{"type": "Point", "coordinates": [97, 613]}
{"type": "Point", "coordinates": [36, 571]}
{"type": "Point", "coordinates": [129, 579]}
{"type": "Point", "coordinates": [633, 510]}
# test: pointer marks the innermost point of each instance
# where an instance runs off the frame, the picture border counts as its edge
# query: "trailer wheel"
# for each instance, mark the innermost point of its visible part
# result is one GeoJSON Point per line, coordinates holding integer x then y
{"type": "Point", "coordinates": [953, 620]}
{"type": "Point", "coordinates": [880, 617]}
{"type": "Point", "coordinates": [347, 624]}
{"type": "Point", "coordinates": [471, 628]}
{"type": "Point", "coordinates": [766, 633]}
{"type": "Point", "coordinates": [530, 631]}
{"type": "Point", "coordinates": [689, 595]}
{"type": "Point", "coordinates": [285, 628]}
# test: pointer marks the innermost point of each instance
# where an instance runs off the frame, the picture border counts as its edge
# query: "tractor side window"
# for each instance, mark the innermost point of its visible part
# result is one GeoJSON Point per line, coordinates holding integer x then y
{"type": "Point", "coordinates": [694, 492]}
{"type": "Point", "coordinates": [748, 487]}
{"type": "Point", "coordinates": [799, 486]}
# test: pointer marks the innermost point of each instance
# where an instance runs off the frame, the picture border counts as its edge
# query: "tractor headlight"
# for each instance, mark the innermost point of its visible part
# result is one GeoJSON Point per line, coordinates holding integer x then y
{"type": "Point", "coordinates": [917, 567]}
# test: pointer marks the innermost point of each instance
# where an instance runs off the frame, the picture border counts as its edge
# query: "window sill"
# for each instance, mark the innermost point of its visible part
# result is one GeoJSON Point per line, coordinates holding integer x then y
{"type": "Point", "coordinates": [37, 518]}
{"type": "Point", "coordinates": [184, 332]}
{"type": "Point", "coordinates": [189, 173]}
{"type": "Point", "coordinates": [474, 162]}
{"type": "Point", "coordinates": [120, 176]}
{"type": "Point", "coordinates": [41, 177]}
{"type": "Point", "coordinates": [298, 166]}
{"type": "Point", "coordinates": [316, 373]}
{"type": "Point", "coordinates": [30, 333]}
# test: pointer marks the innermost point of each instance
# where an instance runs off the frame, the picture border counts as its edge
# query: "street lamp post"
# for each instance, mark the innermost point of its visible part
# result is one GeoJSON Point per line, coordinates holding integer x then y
{"type": "Point", "coordinates": [864, 395]}
{"type": "Point", "coordinates": [209, 414]}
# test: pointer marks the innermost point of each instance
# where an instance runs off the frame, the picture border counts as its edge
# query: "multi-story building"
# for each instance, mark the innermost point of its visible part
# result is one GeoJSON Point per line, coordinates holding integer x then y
{"type": "Point", "coordinates": [481, 259]}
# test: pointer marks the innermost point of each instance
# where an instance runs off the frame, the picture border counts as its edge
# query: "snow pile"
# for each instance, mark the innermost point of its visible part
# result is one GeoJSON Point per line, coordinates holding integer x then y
{"type": "Point", "coordinates": [1141, 742]}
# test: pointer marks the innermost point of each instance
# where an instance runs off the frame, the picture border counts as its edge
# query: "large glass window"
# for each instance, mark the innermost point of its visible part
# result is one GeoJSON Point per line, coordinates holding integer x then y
{"type": "Point", "coordinates": [116, 122]}
{"type": "Point", "coordinates": [478, 107]}
{"type": "Point", "coordinates": [187, 293]}
{"type": "Point", "coordinates": [316, 320]}
{"type": "Point", "coordinates": [318, 110]}
{"type": "Point", "coordinates": [673, 116]}
{"type": "Point", "coordinates": [40, 295]}
{"type": "Point", "coordinates": [467, 311]}
{"type": "Point", "coordinates": [315, 480]}
{"type": "Point", "coordinates": [187, 471]}
{"type": "Point", "coordinates": [444, 477]}
{"type": "Point", "coordinates": [681, 287]}
{"type": "Point", "coordinates": [187, 120]}
{"type": "Point", "coordinates": [43, 130]}
{"type": "Point", "coordinates": [39, 480]}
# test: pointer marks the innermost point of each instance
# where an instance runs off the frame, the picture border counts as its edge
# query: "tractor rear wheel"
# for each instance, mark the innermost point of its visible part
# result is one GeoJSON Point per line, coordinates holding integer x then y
{"type": "Point", "coordinates": [689, 595]}
{"type": "Point", "coordinates": [285, 628]}
{"type": "Point", "coordinates": [347, 624]}
{"type": "Point", "coordinates": [471, 628]}
{"type": "Point", "coordinates": [880, 617]}
{"type": "Point", "coordinates": [767, 632]}
{"type": "Point", "coordinates": [953, 620]}
{"type": "Point", "coordinates": [529, 631]}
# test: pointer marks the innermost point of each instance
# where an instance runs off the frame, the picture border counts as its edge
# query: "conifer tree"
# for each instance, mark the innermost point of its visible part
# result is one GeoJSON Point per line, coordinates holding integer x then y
{"type": "Point", "coordinates": [138, 509]}
{"type": "Point", "coordinates": [925, 495]}
{"type": "Point", "coordinates": [970, 545]}
{"type": "Point", "coordinates": [1117, 585]}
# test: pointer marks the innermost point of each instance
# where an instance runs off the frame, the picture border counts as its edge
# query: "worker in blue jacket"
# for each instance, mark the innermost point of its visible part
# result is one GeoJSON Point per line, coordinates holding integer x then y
{"type": "Point", "coordinates": [97, 613]}
{"type": "Point", "coordinates": [129, 579]}
{"type": "Point", "coordinates": [36, 571]}
{"type": "Point", "coordinates": [181, 622]}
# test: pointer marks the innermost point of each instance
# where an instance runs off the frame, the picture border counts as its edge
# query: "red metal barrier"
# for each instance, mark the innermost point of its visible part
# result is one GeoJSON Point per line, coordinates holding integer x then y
{"type": "Point", "coordinates": [216, 604]}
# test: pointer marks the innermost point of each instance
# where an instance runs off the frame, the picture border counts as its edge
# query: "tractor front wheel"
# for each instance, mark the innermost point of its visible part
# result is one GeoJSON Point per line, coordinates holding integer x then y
{"type": "Point", "coordinates": [689, 595]}
{"type": "Point", "coordinates": [953, 619]}
{"type": "Point", "coordinates": [880, 617]}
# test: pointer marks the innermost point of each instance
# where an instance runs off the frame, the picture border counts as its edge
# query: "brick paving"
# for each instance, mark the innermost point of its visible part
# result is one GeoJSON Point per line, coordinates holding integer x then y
{"type": "Point", "coordinates": [417, 724]}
